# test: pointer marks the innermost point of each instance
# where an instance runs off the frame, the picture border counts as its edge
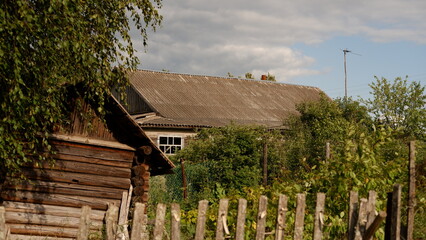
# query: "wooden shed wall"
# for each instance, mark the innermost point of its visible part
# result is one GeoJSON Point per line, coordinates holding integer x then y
{"type": "Point", "coordinates": [49, 203]}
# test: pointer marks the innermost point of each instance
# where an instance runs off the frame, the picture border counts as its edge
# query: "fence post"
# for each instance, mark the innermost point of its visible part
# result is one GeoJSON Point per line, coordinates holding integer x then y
{"type": "Point", "coordinates": [388, 224]}
{"type": "Point", "coordinates": [175, 221]}
{"type": "Point", "coordinates": [319, 216]}
{"type": "Point", "coordinates": [353, 214]}
{"type": "Point", "coordinates": [371, 207]}
{"type": "Point", "coordinates": [261, 218]}
{"type": "Point", "coordinates": [184, 183]}
{"type": "Point", "coordinates": [160, 216]}
{"type": "Point", "coordinates": [83, 228]}
{"type": "Point", "coordinates": [201, 219]}
{"type": "Point", "coordinates": [265, 164]}
{"type": "Point", "coordinates": [139, 222]}
{"type": "Point", "coordinates": [111, 221]}
{"type": "Point", "coordinates": [300, 216]}
{"type": "Point", "coordinates": [241, 219]}
{"type": "Point", "coordinates": [327, 151]}
{"type": "Point", "coordinates": [281, 216]}
{"type": "Point", "coordinates": [411, 190]}
{"type": "Point", "coordinates": [2, 223]}
{"type": "Point", "coordinates": [396, 213]}
{"type": "Point", "coordinates": [221, 225]}
{"type": "Point", "coordinates": [362, 219]}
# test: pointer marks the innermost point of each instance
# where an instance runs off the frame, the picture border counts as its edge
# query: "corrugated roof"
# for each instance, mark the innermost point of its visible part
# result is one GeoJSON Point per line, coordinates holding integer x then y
{"type": "Point", "coordinates": [194, 100]}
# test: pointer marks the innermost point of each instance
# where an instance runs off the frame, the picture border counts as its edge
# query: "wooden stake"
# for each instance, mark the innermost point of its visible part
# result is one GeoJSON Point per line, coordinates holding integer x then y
{"type": "Point", "coordinates": [265, 164]}
{"type": "Point", "coordinates": [139, 223]}
{"type": "Point", "coordinates": [175, 222]}
{"type": "Point", "coordinates": [411, 190]}
{"type": "Point", "coordinates": [396, 213]}
{"type": "Point", "coordinates": [221, 225]}
{"type": "Point", "coordinates": [261, 218]}
{"type": "Point", "coordinates": [327, 151]}
{"type": "Point", "coordinates": [362, 219]}
{"type": "Point", "coordinates": [241, 219]}
{"type": "Point", "coordinates": [111, 221]}
{"type": "Point", "coordinates": [201, 219]}
{"type": "Point", "coordinates": [319, 216]}
{"type": "Point", "coordinates": [281, 216]}
{"type": "Point", "coordinates": [2, 223]}
{"type": "Point", "coordinates": [371, 208]}
{"type": "Point", "coordinates": [353, 214]}
{"type": "Point", "coordinates": [300, 216]}
{"type": "Point", "coordinates": [83, 229]}
{"type": "Point", "coordinates": [159, 221]}
{"type": "Point", "coordinates": [184, 184]}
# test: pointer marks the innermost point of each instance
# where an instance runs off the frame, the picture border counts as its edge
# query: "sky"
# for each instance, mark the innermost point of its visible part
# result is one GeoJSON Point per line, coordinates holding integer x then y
{"type": "Point", "coordinates": [298, 41]}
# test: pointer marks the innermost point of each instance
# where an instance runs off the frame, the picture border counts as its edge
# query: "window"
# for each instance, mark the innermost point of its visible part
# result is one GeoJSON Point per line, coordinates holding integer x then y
{"type": "Point", "coordinates": [170, 144]}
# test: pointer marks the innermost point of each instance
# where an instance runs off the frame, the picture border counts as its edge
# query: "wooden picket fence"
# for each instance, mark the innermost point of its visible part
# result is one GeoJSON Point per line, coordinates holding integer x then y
{"type": "Point", "coordinates": [363, 220]}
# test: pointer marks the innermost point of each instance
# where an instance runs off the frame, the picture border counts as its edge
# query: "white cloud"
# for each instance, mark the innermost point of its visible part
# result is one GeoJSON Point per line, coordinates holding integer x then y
{"type": "Point", "coordinates": [216, 37]}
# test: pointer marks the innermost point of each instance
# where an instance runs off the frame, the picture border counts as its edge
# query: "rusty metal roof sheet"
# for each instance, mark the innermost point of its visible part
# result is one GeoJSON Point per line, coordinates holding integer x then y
{"type": "Point", "coordinates": [194, 100]}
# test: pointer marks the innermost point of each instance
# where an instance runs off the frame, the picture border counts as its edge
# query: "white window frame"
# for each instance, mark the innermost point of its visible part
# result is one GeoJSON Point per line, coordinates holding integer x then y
{"type": "Point", "coordinates": [170, 148]}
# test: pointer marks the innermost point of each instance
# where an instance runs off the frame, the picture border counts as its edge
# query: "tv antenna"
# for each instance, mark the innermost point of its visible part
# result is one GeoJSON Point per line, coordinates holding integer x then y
{"type": "Point", "coordinates": [345, 51]}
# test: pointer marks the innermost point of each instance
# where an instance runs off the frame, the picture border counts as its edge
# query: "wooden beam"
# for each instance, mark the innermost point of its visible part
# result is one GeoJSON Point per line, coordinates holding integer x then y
{"type": "Point", "coordinates": [261, 218]}
{"type": "Point", "coordinates": [201, 219]}
{"type": "Point", "coordinates": [411, 190]}
{"type": "Point", "coordinates": [241, 218]}
{"type": "Point", "coordinates": [281, 217]}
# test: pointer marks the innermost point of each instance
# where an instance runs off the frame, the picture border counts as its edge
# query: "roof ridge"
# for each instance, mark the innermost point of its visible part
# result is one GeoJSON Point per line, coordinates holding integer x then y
{"type": "Point", "coordinates": [229, 78]}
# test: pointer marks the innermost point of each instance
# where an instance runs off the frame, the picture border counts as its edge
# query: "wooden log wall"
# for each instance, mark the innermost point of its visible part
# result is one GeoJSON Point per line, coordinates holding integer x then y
{"type": "Point", "coordinates": [49, 203]}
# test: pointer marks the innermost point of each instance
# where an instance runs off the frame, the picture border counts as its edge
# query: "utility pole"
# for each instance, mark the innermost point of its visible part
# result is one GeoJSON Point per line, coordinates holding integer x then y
{"type": "Point", "coordinates": [346, 74]}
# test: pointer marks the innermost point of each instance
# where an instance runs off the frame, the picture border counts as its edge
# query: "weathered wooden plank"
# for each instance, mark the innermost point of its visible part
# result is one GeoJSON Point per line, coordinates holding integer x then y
{"type": "Point", "coordinates": [140, 220]}
{"type": "Point", "coordinates": [319, 217]}
{"type": "Point", "coordinates": [241, 219]}
{"type": "Point", "coordinates": [353, 214]}
{"type": "Point", "coordinates": [48, 220]}
{"type": "Point", "coordinates": [396, 213]}
{"type": "Point", "coordinates": [371, 208]}
{"type": "Point", "coordinates": [201, 219]}
{"type": "Point", "coordinates": [57, 199]}
{"type": "Point", "coordinates": [51, 210]}
{"type": "Point", "coordinates": [281, 217]}
{"type": "Point", "coordinates": [300, 216]}
{"type": "Point", "coordinates": [67, 189]}
{"type": "Point", "coordinates": [41, 230]}
{"type": "Point", "coordinates": [221, 224]}
{"type": "Point", "coordinates": [111, 220]}
{"type": "Point", "coordinates": [374, 225]}
{"type": "Point", "coordinates": [2, 223]}
{"type": "Point", "coordinates": [159, 221]}
{"type": "Point", "coordinates": [261, 218]}
{"type": "Point", "coordinates": [411, 190]}
{"type": "Point", "coordinates": [83, 228]}
{"type": "Point", "coordinates": [92, 151]}
{"type": "Point", "coordinates": [29, 237]}
{"type": "Point", "coordinates": [81, 167]}
{"type": "Point", "coordinates": [362, 219]}
{"type": "Point", "coordinates": [93, 160]}
{"type": "Point", "coordinates": [78, 178]}
{"type": "Point", "coordinates": [175, 221]}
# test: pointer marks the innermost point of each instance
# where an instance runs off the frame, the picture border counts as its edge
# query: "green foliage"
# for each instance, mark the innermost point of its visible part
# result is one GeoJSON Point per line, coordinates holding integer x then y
{"type": "Point", "coordinates": [400, 106]}
{"type": "Point", "coordinates": [49, 47]}
{"type": "Point", "coordinates": [320, 122]}
{"type": "Point", "coordinates": [229, 158]}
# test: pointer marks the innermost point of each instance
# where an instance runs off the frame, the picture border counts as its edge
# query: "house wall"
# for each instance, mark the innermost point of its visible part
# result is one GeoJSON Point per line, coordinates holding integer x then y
{"type": "Point", "coordinates": [92, 172]}
{"type": "Point", "coordinates": [185, 133]}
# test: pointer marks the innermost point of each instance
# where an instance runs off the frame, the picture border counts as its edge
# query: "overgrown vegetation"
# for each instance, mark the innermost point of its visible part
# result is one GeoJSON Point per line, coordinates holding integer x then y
{"type": "Point", "coordinates": [49, 47]}
{"type": "Point", "coordinates": [368, 153]}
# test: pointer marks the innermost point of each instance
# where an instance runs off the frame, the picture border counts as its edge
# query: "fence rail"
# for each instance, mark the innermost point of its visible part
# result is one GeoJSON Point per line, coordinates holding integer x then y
{"type": "Point", "coordinates": [363, 220]}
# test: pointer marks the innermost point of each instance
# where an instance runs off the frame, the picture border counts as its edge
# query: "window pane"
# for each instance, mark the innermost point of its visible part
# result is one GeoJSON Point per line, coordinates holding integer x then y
{"type": "Point", "coordinates": [162, 148]}
{"type": "Point", "coordinates": [170, 141]}
{"type": "Point", "coordinates": [177, 141]}
{"type": "Point", "coordinates": [163, 140]}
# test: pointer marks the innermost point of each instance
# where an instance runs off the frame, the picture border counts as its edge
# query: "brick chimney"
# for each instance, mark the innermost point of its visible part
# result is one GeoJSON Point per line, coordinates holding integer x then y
{"type": "Point", "coordinates": [264, 77]}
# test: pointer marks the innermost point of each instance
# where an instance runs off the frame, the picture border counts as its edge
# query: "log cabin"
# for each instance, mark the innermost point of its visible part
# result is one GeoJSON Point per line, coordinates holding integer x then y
{"type": "Point", "coordinates": [96, 163]}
